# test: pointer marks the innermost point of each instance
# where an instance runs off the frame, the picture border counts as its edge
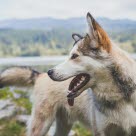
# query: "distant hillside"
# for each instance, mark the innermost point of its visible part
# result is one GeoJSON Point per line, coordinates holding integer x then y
{"type": "Point", "coordinates": [48, 36]}
{"type": "Point", "coordinates": [43, 23]}
{"type": "Point", "coordinates": [72, 23]}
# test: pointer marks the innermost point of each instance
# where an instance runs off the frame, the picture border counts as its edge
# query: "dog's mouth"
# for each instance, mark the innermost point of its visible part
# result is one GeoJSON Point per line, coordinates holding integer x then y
{"type": "Point", "coordinates": [75, 85]}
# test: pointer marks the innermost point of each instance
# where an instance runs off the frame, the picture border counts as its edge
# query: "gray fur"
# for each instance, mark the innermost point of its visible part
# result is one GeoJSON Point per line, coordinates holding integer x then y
{"type": "Point", "coordinates": [18, 76]}
{"type": "Point", "coordinates": [61, 121]}
{"type": "Point", "coordinates": [126, 86]}
{"type": "Point", "coordinates": [102, 105]}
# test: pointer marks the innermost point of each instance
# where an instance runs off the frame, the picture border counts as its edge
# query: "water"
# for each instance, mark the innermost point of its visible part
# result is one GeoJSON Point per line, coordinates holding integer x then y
{"type": "Point", "coordinates": [32, 61]}
{"type": "Point", "coordinates": [35, 61]}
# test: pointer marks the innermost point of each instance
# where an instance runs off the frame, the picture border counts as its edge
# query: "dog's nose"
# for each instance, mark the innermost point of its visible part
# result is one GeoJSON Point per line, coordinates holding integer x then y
{"type": "Point", "coordinates": [50, 72]}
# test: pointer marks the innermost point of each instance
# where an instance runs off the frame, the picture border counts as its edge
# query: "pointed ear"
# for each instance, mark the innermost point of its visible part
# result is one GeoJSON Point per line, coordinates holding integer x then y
{"type": "Point", "coordinates": [97, 32]}
{"type": "Point", "coordinates": [92, 26]}
{"type": "Point", "coordinates": [76, 37]}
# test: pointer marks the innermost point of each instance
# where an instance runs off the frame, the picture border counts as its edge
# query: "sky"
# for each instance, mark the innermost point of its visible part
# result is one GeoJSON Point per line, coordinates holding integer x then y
{"type": "Point", "coordinates": [20, 9]}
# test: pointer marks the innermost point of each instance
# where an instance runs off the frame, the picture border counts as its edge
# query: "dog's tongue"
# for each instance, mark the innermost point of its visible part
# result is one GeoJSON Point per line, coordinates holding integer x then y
{"type": "Point", "coordinates": [71, 101]}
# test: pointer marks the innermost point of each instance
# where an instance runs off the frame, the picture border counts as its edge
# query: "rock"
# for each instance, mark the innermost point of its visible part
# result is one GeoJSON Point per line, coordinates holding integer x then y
{"type": "Point", "coordinates": [5, 103]}
{"type": "Point", "coordinates": [22, 110]}
{"type": "Point", "coordinates": [15, 95]}
{"type": "Point", "coordinates": [72, 133]}
{"type": "Point", "coordinates": [23, 118]}
{"type": "Point", "coordinates": [7, 109]}
{"type": "Point", "coordinates": [8, 112]}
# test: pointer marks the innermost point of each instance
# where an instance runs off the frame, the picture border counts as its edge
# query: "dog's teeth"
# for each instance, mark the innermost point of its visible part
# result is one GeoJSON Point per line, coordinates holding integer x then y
{"type": "Point", "coordinates": [69, 91]}
{"type": "Point", "coordinates": [83, 78]}
{"type": "Point", "coordinates": [81, 81]}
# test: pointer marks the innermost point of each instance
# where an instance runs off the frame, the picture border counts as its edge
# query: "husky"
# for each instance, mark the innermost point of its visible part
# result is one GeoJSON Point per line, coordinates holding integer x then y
{"type": "Point", "coordinates": [96, 62]}
{"type": "Point", "coordinates": [49, 101]}
{"type": "Point", "coordinates": [108, 108]}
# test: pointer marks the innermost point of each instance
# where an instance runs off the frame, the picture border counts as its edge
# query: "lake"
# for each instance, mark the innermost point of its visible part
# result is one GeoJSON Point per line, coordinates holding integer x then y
{"type": "Point", "coordinates": [32, 61]}
{"type": "Point", "coordinates": [35, 61]}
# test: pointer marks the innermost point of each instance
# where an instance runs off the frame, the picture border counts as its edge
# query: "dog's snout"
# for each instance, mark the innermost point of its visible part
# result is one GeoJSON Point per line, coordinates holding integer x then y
{"type": "Point", "coordinates": [50, 72]}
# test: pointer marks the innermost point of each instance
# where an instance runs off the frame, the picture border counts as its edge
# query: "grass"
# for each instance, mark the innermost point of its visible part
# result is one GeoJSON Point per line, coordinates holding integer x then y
{"type": "Point", "coordinates": [5, 93]}
{"type": "Point", "coordinates": [13, 128]}
{"type": "Point", "coordinates": [81, 130]}
{"type": "Point", "coordinates": [10, 127]}
{"type": "Point", "coordinates": [23, 101]}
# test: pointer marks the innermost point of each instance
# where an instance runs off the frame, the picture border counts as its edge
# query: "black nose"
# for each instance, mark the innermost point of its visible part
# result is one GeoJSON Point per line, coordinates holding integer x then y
{"type": "Point", "coordinates": [50, 72]}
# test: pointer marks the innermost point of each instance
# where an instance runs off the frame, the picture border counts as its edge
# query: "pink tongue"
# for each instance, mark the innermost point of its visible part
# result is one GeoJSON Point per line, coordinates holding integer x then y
{"type": "Point", "coordinates": [71, 102]}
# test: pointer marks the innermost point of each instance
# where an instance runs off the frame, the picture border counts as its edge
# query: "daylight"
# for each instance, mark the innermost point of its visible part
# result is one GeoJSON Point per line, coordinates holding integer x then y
{"type": "Point", "coordinates": [67, 8]}
{"type": "Point", "coordinates": [67, 67]}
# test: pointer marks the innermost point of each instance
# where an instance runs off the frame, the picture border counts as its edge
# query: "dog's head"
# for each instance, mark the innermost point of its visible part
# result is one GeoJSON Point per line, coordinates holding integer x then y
{"type": "Point", "coordinates": [89, 54]}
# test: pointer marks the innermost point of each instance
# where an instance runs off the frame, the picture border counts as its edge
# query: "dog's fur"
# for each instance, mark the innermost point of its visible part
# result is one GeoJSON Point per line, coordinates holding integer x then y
{"type": "Point", "coordinates": [113, 79]}
{"type": "Point", "coordinates": [109, 108]}
{"type": "Point", "coordinates": [49, 101]}
{"type": "Point", "coordinates": [18, 76]}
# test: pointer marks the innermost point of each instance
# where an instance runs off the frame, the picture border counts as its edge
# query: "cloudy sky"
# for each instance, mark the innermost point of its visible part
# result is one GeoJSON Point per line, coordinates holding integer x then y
{"type": "Point", "coordinates": [67, 8]}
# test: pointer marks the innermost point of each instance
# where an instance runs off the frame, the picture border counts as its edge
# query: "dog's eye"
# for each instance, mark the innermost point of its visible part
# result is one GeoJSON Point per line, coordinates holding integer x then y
{"type": "Point", "coordinates": [74, 56]}
{"type": "Point", "coordinates": [94, 50]}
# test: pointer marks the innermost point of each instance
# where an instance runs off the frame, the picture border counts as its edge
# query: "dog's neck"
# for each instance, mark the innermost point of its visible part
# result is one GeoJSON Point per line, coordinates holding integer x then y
{"type": "Point", "coordinates": [123, 71]}
{"type": "Point", "coordinates": [104, 86]}
{"type": "Point", "coordinates": [123, 62]}
{"type": "Point", "coordinates": [105, 93]}
{"type": "Point", "coordinates": [110, 90]}
{"type": "Point", "coordinates": [115, 82]}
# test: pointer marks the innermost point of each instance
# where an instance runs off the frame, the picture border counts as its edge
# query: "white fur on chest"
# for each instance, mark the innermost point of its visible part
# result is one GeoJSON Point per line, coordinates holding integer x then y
{"type": "Point", "coordinates": [124, 117]}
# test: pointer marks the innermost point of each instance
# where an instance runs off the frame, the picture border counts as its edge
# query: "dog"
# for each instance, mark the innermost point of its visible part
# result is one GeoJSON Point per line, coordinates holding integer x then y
{"type": "Point", "coordinates": [49, 101]}
{"type": "Point", "coordinates": [96, 62]}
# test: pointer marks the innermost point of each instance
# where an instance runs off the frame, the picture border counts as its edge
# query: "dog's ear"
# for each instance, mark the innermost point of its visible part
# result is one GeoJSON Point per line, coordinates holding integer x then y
{"type": "Point", "coordinates": [76, 37]}
{"type": "Point", "coordinates": [97, 32]}
{"type": "Point", "coordinates": [92, 25]}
